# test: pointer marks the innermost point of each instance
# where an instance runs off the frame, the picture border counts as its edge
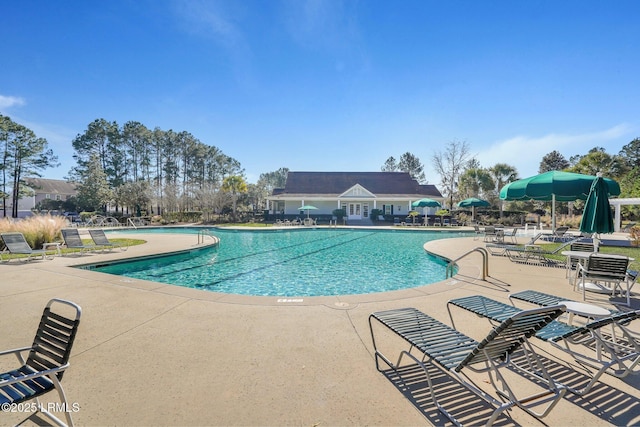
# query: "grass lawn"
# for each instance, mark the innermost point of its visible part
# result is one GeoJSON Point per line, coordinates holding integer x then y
{"type": "Point", "coordinates": [628, 251]}
{"type": "Point", "coordinates": [124, 242]}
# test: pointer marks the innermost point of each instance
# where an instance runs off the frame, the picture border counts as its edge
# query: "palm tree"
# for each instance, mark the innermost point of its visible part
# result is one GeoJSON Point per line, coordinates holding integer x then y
{"type": "Point", "coordinates": [474, 182]}
{"type": "Point", "coordinates": [234, 185]}
{"type": "Point", "coordinates": [502, 175]}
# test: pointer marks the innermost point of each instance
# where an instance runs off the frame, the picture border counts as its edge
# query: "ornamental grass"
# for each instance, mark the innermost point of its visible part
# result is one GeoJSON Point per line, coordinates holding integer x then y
{"type": "Point", "coordinates": [36, 229]}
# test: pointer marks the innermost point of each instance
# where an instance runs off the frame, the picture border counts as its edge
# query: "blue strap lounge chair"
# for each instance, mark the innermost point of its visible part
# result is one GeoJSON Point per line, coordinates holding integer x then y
{"type": "Point", "coordinates": [536, 297]}
{"type": "Point", "coordinates": [15, 243]}
{"type": "Point", "coordinates": [46, 362]}
{"type": "Point", "coordinates": [616, 352]}
{"type": "Point", "coordinates": [451, 352]}
{"type": "Point", "coordinates": [100, 239]}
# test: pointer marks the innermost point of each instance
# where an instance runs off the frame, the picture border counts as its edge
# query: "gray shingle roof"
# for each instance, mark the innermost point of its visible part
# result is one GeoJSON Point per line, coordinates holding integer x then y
{"type": "Point", "coordinates": [51, 186]}
{"type": "Point", "coordinates": [335, 183]}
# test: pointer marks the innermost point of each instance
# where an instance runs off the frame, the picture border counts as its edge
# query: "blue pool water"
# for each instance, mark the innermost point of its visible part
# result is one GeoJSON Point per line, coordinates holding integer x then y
{"type": "Point", "coordinates": [302, 262]}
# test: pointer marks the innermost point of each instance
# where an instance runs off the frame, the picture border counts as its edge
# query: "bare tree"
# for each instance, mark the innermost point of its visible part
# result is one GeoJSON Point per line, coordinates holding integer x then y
{"type": "Point", "coordinates": [449, 164]}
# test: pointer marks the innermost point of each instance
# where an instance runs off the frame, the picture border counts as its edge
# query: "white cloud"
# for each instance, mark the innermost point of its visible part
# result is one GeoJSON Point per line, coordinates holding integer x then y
{"type": "Point", "coordinates": [215, 20]}
{"type": "Point", "coordinates": [211, 19]}
{"type": "Point", "coordinates": [526, 152]}
{"type": "Point", "coordinates": [10, 101]}
{"type": "Point", "coordinates": [324, 24]}
{"type": "Point", "coordinates": [220, 22]}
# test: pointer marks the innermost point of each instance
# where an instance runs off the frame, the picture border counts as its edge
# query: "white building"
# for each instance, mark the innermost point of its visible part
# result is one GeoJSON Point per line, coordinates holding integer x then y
{"type": "Point", "coordinates": [355, 192]}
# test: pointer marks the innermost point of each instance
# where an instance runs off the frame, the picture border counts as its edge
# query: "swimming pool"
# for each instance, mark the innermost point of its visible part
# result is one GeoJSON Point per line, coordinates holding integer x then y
{"type": "Point", "coordinates": [301, 262]}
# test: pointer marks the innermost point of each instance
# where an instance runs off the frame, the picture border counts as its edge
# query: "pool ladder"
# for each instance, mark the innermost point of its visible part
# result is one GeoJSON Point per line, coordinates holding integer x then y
{"type": "Point", "coordinates": [202, 234]}
{"type": "Point", "coordinates": [485, 262]}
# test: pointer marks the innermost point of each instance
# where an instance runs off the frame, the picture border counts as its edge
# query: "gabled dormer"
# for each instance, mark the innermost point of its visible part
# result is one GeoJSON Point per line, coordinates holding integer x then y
{"type": "Point", "coordinates": [357, 191]}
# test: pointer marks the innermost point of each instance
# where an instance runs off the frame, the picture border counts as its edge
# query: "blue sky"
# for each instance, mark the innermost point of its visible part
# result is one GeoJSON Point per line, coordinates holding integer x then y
{"type": "Point", "coordinates": [316, 85]}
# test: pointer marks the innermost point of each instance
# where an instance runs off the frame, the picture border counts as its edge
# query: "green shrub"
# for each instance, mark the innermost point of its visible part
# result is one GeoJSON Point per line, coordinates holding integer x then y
{"type": "Point", "coordinates": [375, 214]}
{"type": "Point", "coordinates": [193, 216]}
{"type": "Point", "coordinates": [339, 213]}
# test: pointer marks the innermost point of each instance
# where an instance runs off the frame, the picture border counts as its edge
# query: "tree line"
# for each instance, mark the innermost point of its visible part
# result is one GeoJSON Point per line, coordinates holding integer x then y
{"type": "Point", "coordinates": [462, 176]}
{"type": "Point", "coordinates": [153, 170]}
{"type": "Point", "coordinates": [132, 169]}
{"type": "Point", "coordinates": [23, 155]}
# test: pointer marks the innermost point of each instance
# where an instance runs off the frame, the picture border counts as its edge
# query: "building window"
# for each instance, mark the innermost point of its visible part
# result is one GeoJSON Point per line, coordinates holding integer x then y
{"type": "Point", "coordinates": [58, 197]}
{"type": "Point", "coordinates": [47, 196]}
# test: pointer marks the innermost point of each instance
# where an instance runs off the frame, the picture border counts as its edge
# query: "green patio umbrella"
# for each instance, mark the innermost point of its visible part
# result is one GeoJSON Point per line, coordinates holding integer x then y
{"type": "Point", "coordinates": [426, 203]}
{"type": "Point", "coordinates": [473, 202]}
{"type": "Point", "coordinates": [307, 208]}
{"type": "Point", "coordinates": [555, 186]}
{"type": "Point", "coordinates": [597, 217]}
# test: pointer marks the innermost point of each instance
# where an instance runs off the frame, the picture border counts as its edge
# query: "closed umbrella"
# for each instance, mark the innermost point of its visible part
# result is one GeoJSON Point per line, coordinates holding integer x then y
{"type": "Point", "coordinates": [555, 186]}
{"type": "Point", "coordinates": [473, 202]}
{"type": "Point", "coordinates": [597, 217]}
{"type": "Point", "coordinates": [426, 203]}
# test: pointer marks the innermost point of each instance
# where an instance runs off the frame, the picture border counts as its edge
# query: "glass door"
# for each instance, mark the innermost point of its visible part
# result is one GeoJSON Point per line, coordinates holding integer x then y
{"type": "Point", "coordinates": [355, 211]}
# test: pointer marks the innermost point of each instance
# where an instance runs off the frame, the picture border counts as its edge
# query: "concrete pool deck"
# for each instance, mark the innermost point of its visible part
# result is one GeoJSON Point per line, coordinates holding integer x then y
{"type": "Point", "coordinates": [155, 354]}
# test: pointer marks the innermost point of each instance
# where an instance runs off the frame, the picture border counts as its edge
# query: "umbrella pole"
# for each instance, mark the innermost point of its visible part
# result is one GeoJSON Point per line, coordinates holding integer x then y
{"type": "Point", "coordinates": [553, 212]}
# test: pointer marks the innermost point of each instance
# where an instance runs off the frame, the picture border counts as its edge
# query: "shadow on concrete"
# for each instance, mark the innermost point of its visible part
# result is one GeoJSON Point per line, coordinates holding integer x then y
{"type": "Point", "coordinates": [606, 402]}
{"type": "Point", "coordinates": [467, 407]}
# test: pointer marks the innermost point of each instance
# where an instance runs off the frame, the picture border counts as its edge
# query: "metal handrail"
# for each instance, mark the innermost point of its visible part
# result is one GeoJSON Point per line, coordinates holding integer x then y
{"type": "Point", "coordinates": [485, 262]}
{"type": "Point", "coordinates": [130, 221]}
{"type": "Point", "coordinates": [204, 233]}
